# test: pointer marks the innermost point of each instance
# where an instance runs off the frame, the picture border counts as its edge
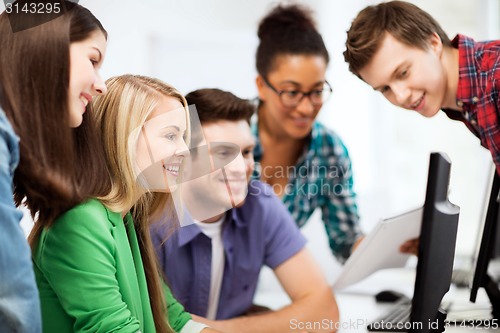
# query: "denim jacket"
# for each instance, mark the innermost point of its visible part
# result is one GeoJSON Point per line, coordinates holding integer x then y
{"type": "Point", "coordinates": [19, 301]}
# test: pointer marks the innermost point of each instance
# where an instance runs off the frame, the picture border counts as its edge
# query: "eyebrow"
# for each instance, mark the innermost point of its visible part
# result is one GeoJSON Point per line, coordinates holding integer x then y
{"type": "Point", "coordinates": [99, 51]}
{"type": "Point", "coordinates": [225, 146]}
{"type": "Point", "coordinates": [172, 126]}
{"type": "Point", "coordinates": [252, 146]}
{"type": "Point", "coordinates": [300, 85]}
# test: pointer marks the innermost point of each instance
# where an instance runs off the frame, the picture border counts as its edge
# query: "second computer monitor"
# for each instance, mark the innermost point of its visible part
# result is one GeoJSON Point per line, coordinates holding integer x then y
{"type": "Point", "coordinates": [488, 250]}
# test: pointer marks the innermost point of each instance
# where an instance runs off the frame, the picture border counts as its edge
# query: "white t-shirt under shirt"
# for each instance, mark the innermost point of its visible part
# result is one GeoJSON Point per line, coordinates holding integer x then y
{"type": "Point", "coordinates": [214, 232]}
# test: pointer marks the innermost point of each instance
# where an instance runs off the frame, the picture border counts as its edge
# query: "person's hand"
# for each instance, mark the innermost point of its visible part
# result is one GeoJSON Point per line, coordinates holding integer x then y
{"type": "Point", "coordinates": [410, 246]}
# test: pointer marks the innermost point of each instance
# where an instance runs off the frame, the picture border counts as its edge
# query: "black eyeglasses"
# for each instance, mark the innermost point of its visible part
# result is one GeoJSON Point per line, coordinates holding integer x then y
{"type": "Point", "coordinates": [292, 98]}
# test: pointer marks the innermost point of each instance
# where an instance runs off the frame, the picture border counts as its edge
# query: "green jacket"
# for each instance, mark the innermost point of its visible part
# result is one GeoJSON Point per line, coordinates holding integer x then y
{"type": "Point", "coordinates": [91, 278]}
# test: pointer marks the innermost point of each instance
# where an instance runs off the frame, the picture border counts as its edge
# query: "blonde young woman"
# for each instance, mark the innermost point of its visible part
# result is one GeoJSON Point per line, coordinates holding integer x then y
{"type": "Point", "coordinates": [97, 270]}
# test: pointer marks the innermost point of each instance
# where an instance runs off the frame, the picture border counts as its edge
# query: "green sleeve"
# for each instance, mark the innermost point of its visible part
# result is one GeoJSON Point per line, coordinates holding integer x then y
{"type": "Point", "coordinates": [76, 255]}
{"type": "Point", "coordinates": [177, 316]}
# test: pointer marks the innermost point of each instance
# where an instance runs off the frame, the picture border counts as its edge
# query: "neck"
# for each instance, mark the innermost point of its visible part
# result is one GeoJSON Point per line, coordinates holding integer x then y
{"type": "Point", "coordinates": [450, 63]}
{"type": "Point", "coordinates": [125, 211]}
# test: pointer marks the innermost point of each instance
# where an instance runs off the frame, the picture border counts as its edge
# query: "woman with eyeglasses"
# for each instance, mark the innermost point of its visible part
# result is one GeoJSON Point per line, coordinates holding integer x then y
{"type": "Point", "coordinates": [307, 164]}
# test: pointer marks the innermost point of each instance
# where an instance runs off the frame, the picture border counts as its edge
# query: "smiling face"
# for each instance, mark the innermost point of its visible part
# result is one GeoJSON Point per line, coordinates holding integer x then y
{"type": "Point", "coordinates": [86, 58]}
{"type": "Point", "coordinates": [409, 77]}
{"type": "Point", "coordinates": [161, 146]}
{"type": "Point", "coordinates": [231, 146]}
{"type": "Point", "coordinates": [303, 73]}
{"type": "Point", "coordinates": [224, 184]}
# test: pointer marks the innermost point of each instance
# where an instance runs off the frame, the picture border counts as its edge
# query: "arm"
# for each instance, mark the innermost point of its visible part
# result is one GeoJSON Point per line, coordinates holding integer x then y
{"type": "Point", "coordinates": [17, 281]}
{"type": "Point", "coordinates": [339, 211]}
{"type": "Point", "coordinates": [312, 301]}
{"type": "Point", "coordinates": [179, 319]}
{"type": "Point", "coordinates": [77, 257]}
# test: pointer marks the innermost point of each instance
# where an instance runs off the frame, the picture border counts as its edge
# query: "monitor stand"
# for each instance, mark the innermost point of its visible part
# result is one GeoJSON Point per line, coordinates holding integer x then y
{"type": "Point", "coordinates": [440, 322]}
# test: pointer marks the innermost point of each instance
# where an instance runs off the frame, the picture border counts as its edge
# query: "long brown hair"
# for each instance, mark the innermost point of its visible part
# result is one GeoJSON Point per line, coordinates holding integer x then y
{"type": "Point", "coordinates": [126, 106]}
{"type": "Point", "coordinates": [59, 166]}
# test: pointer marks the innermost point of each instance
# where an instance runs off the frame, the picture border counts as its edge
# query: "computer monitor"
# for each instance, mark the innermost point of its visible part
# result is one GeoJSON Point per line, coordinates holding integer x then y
{"type": "Point", "coordinates": [488, 249]}
{"type": "Point", "coordinates": [436, 248]}
{"type": "Point", "coordinates": [436, 252]}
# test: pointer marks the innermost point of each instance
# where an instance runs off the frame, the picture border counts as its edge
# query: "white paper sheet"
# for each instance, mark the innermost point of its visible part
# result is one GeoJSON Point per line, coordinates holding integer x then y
{"type": "Point", "coordinates": [380, 248]}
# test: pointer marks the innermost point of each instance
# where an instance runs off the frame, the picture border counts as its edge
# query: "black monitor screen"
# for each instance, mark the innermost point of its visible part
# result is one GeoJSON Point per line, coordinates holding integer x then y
{"type": "Point", "coordinates": [488, 249]}
{"type": "Point", "coordinates": [436, 247]}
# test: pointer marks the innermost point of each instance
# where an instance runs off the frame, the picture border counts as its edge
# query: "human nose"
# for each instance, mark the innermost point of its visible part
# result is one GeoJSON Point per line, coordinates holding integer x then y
{"type": "Point", "coordinates": [249, 164]}
{"type": "Point", "coordinates": [182, 149]}
{"type": "Point", "coordinates": [305, 104]}
{"type": "Point", "coordinates": [99, 85]}
{"type": "Point", "coordinates": [238, 167]}
{"type": "Point", "coordinates": [401, 93]}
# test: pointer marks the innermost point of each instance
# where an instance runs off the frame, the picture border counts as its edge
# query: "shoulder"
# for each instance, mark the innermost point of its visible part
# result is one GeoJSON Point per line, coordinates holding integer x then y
{"type": "Point", "coordinates": [7, 135]}
{"type": "Point", "coordinates": [486, 54]}
{"type": "Point", "coordinates": [92, 207]}
{"type": "Point", "coordinates": [85, 229]}
{"type": "Point", "coordinates": [259, 191]}
{"type": "Point", "coordinates": [91, 214]}
{"type": "Point", "coordinates": [262, 204]}
{"type": "Point", "coordinates": [261, 196]}
{"type": "Point", "coordinates": [327, 142]}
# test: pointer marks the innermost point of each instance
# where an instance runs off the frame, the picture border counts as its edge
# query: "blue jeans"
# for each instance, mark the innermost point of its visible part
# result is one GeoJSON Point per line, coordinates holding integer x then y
{"type": "Point", "coordinates": [19, 301]}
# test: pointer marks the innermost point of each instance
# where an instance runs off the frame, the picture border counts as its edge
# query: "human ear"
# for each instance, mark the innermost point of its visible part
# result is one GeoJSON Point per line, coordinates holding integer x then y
{"type": "Point", "coordinates": [436, 44]}
{"type": "Point", "coordinates": [259, 81]}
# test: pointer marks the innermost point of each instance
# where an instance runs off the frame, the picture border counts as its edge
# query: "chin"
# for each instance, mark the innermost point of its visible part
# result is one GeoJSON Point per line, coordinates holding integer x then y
{"type": "Point", "coordinates": [74, 123]}
{"type": "Point", "coordinates": [239, 200]}
{"type": "Point", "coordinates": [429, 113]}
{"type": "Point", "coordinates": [300, 133]}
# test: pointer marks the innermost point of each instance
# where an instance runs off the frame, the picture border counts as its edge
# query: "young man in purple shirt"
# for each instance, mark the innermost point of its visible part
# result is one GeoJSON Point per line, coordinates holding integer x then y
{"type": "Point", "coordinates": [213, 264]}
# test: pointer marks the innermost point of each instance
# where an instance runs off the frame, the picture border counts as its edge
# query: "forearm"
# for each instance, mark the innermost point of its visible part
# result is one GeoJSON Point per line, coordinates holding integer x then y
{"type": "Point", "coordinates": [318, 310]}
{"type": "Point", "coordinates": [210, 330]}
{"type": "Point", "coordinates": [18, 289]}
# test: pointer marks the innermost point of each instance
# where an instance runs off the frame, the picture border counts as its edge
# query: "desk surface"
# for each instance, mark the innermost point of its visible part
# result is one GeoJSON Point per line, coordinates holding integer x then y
{"type": "Point", "coordinates": [358, 307]}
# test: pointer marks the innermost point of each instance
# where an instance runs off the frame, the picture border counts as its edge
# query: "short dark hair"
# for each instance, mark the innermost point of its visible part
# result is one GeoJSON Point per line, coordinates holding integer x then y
{"type": "Point", "coordinates": [406, 22]}
{"type": "Point", "coordinates": [214, 104]}
{"type": "Point", "coordinates": [287, 30]}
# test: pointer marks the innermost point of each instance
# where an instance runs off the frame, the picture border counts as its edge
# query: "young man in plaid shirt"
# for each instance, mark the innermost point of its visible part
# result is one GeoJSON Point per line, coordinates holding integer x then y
{"type": "Point", "coordinates": [402, 52]}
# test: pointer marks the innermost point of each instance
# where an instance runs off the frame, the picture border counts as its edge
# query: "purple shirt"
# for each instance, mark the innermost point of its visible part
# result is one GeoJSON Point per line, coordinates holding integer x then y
{"type": "Point", "coordinates": [261, 232]}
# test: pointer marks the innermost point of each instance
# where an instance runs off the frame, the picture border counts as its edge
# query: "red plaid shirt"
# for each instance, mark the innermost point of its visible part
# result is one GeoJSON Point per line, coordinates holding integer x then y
{"type": "Point", "coordinates": [478, 91]}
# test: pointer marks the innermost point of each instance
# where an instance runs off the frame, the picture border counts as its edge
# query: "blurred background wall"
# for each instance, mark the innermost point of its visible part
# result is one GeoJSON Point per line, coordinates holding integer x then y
{"type": "Point", "coordinates": [194, 44]}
